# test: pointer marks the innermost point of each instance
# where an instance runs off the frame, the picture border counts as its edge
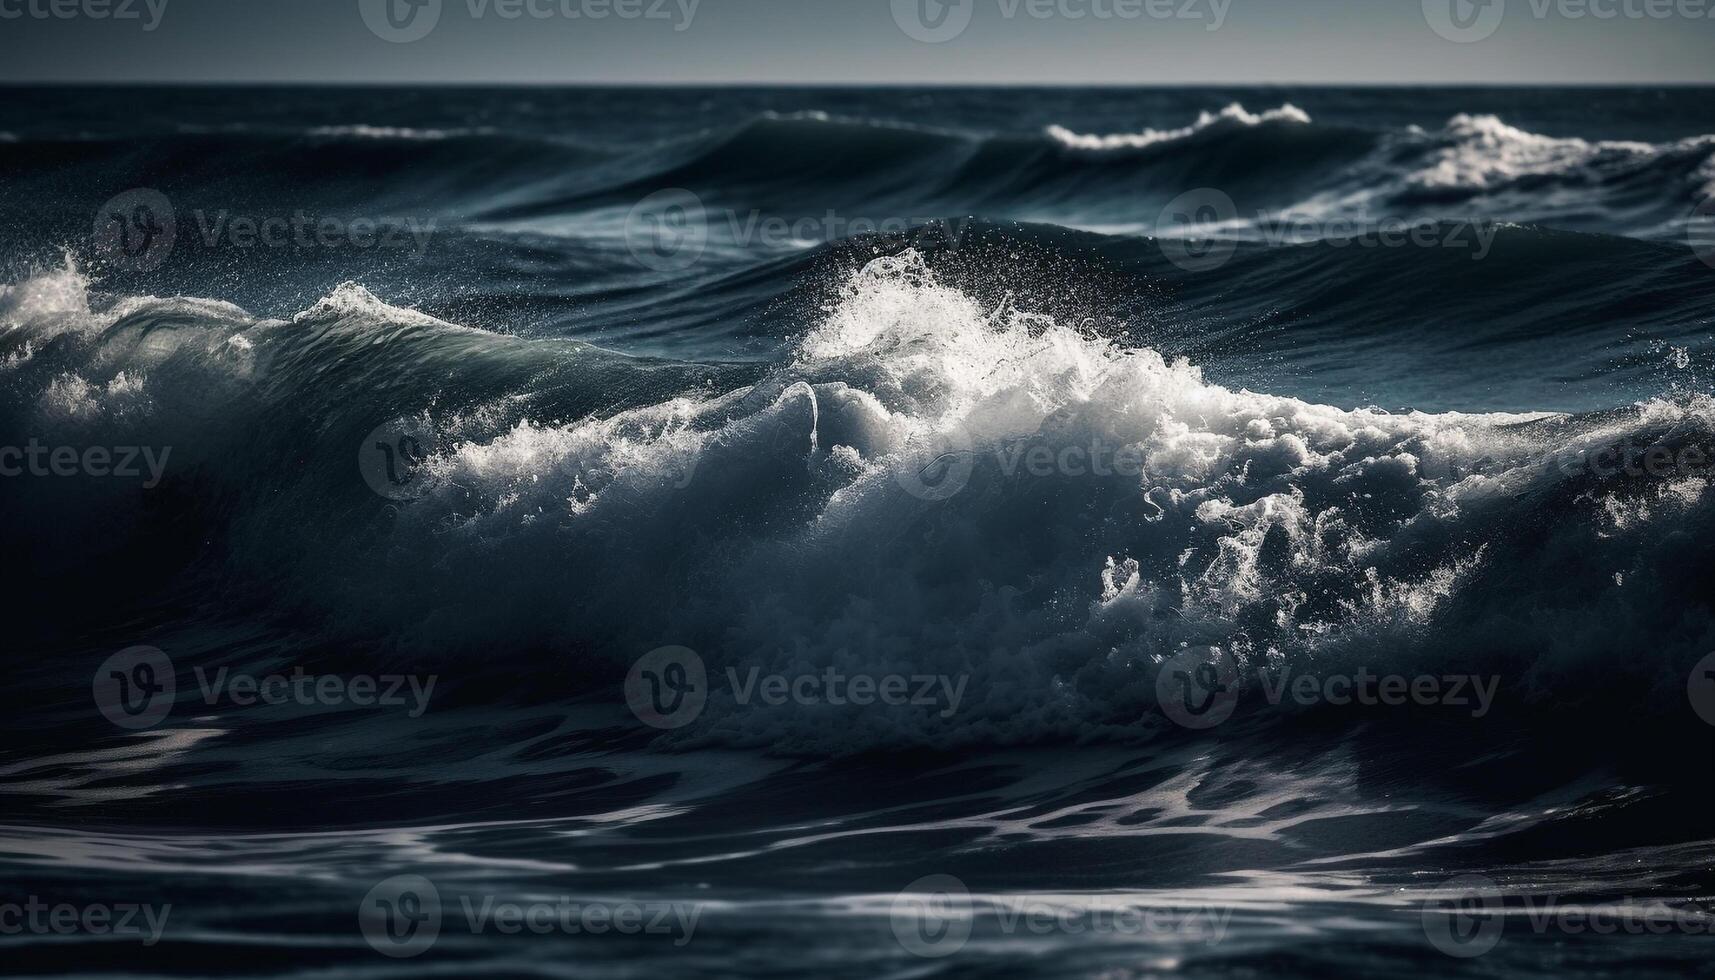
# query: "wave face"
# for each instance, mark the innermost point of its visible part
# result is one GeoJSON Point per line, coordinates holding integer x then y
{"type": "Point", "coordinates": [1028, 395]}
{"type": "Point", "coordinates": [1281, 529]}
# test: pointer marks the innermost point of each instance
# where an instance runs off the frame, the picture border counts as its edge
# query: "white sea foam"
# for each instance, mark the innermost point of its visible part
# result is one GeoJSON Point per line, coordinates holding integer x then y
{"type": "Point", "coordinates": [1485, 151]}
{"type": "Point", "coordinates": [783, 525]}
{"type": "Point", "coordinates": [70, 396]}
{"type": "Point", "coordinates": [366, 131]}
{"type": "Point", "coordinates": [50, 301]}
{"type": "Point", "coordinates": [1706, 173]}
{"type": "Point", "coordinates": [1233, 115]}
{"type": "Point", "coordinates": [349, 299]}
{"type": "Point", "coordinates": [1268, 525]}
{"type": "Point", "coordinates": [1482, 151]}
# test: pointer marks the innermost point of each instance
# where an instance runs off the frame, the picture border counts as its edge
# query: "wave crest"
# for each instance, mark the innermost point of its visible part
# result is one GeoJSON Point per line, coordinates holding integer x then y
{"type": "Point", "coordinates": [1233, 116]}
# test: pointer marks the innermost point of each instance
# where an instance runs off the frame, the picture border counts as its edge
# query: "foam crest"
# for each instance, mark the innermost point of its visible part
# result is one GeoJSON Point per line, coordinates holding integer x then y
{"type": "Point", "coordinates": [865, 505]}
{"type": "Point", "coordinates": [70, 396]}
{"type": "Point", "coordinates": [1279, 529]}
{"type": "Point", "coordinates": [365, 131]}
{"type": "Point", "coordinates": [1234, 115]}
{"type": "Point", "coordinates": [1482, 151]}
{"type": "Point", "coordinates": [350, 300]}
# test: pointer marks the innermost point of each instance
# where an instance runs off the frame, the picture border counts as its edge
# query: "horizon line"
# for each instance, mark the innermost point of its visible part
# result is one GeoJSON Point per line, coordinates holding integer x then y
{"type": "Point", "coordinates": [429, 83]}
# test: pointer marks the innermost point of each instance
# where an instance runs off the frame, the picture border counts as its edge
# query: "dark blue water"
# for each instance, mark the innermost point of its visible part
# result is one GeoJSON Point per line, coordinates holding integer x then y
{"type": "Point", "coordinates": [523, 436]}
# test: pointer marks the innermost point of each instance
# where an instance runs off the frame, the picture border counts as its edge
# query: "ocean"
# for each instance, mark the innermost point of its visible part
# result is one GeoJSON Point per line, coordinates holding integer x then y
{"type": "Point", "coordinates": [887, 532]}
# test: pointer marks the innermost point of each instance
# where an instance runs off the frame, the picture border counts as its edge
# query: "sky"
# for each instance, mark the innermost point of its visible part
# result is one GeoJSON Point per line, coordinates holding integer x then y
{"type": "Point", "coordinates": [1157, 42]}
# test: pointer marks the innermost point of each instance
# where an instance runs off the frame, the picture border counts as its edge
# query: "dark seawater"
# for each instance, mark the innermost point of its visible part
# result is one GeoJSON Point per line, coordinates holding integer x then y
{"type": "Point", "coordinates": [590, 407]}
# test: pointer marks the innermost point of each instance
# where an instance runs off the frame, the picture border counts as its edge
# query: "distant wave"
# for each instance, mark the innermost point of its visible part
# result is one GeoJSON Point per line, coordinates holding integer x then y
{"type": "Point", "coordinates": [364, 131]}
{"type": "Point", "coordinates": [1232, 115]}
{"type": "Point", "coordinates": [1278, 161]}
{"type": "Point", "coordinates": [1483, 153]}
